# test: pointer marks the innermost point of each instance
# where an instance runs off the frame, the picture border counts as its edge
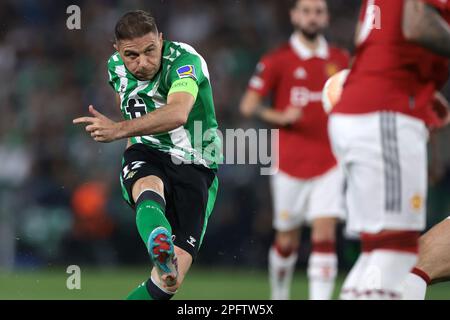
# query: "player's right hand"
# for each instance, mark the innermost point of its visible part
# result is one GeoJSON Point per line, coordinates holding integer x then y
{"type": "Point", "coordinates": [290, 115]}
{"type": "Point", "coordinates": [101, 128]}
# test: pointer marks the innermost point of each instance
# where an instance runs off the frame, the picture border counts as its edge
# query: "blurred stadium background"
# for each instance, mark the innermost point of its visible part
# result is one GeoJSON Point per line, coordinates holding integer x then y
{"type": "Point", "coordinates": [60, 202]}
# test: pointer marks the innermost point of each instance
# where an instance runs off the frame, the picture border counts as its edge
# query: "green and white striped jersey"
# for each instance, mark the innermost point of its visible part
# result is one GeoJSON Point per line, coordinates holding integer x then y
{"type": "Point", "coordinates": [197, 141]}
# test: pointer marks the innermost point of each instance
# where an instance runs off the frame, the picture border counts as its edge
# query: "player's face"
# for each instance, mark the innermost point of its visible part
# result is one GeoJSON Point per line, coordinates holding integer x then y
{"type": "Point", "coordinates": [142, 56]}
{"type": "Point", "coordinates": [310, 17]}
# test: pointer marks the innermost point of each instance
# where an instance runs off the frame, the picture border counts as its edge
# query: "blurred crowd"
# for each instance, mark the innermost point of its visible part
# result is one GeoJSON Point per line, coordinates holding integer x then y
{"type": "Point", "coordinates": [60, 200]}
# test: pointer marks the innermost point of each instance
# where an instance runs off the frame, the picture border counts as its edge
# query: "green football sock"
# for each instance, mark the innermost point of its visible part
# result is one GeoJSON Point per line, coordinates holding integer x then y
{"type": "Point", "coordinates": [140, 293]}
{"type": "Point", "coordinates": [149, 291]}
{"type": "Point", "coordinates": [149, 216]}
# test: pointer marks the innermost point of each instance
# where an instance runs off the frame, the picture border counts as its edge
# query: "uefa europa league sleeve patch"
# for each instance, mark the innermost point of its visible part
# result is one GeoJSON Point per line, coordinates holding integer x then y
{"type": "Point", "coordinates": [187, 71]}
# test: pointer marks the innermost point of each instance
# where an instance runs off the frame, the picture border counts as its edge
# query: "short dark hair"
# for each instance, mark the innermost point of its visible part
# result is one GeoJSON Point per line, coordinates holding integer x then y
{"type": "Point", "coordinates": [135, 24]}
{"type": "Point", "coordinates": [294, 3]}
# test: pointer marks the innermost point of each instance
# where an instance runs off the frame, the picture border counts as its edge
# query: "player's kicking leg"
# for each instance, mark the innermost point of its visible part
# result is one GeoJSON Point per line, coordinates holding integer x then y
{"type": "Point", "coordinates": [433, 264]}
{"type": "Point", "coordinates": [322, 263]}
{"type": "Point", "coordinates": [156, 232]}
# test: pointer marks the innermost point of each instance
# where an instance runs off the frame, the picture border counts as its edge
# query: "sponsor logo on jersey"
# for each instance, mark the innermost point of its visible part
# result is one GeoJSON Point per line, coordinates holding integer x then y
{"type": "Point", "coordinates": [187, 72]}
{"type": "Point", "coordinates": [302, 96]}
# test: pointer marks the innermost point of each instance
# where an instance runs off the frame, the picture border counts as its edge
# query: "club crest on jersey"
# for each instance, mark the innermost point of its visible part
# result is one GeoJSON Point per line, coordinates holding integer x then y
{"type": "Point", "coordinates": [417, 202]}
{"type": "Point", "coordinates": [331, 69]}
{"type": "Point", "coordinates": [187, 72]}
{"type": "Point", "coordinates": [130, 175]}
{"type": "Point", "coordinates": [300, 73]}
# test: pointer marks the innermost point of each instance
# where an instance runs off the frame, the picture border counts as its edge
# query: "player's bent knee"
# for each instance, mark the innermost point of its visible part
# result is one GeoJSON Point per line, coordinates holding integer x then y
{"type": "Point", "coordinates": [321, 235]}
{"type": "Point", "coordinates": [287, 241]}
{"type": "Point", "coordinates": [148, 183]}
{"type": "Point", "coordinates": [323, 229]}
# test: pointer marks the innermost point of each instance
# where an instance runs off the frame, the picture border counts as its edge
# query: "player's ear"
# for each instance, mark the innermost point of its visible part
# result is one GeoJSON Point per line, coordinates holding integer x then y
{"type": "Point", "coordinates": [160, 36]}
{"type": "Point", "coordinates": [293, 13]}
{"type": "Point", "coordinates": [327, 20]}
{"type": "Point", "coordinates": [116, 46]}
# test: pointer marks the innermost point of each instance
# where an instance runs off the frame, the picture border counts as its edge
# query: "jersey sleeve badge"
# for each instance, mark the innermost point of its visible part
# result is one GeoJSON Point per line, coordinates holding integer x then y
{"type": "Point", "coordinates": [187, 71]}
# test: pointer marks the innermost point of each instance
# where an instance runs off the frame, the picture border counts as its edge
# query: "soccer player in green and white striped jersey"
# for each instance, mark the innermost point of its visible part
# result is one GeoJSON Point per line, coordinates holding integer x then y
{"type": "Point", "coordinates": [169, 167]}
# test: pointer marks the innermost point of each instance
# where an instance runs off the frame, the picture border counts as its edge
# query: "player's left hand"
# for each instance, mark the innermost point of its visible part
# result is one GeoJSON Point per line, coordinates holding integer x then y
{"type": "Point", "coordinates": [101, 128]}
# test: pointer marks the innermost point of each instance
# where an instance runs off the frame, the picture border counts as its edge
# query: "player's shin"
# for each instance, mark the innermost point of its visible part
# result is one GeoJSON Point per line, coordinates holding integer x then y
{"type": "Point", "coordinates": [151, 222]}
{"type": "Point", "coordinates": [150, 214]}
{"type": "Point", "coordinates": [322, 270]}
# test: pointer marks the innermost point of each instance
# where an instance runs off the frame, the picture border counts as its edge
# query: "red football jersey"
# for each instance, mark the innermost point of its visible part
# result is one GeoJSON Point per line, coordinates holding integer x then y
{"type": "Point", "coordinates": [439, 4]}
{"type": "Point", "coordinates": [294, 76]}
{"type": "Point", "coordinates": [390, 73]}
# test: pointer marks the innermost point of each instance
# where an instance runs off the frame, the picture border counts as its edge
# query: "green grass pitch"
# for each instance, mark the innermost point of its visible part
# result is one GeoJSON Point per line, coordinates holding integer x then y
{"type": "Point", "coordinates": [200, 284]}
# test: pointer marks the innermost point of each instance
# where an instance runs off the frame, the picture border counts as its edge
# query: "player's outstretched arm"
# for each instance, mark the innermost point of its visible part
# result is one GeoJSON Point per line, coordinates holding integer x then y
{"type": "Point", "coordinates": [171, 116]}
{"type": "Point", "coordinates": [423, 24]}
{"type": "Point", "coordinates": [164, 119]}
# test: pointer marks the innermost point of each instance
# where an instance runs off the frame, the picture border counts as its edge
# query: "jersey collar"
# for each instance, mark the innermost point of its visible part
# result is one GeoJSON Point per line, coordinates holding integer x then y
{"type": "Point", "coordinates": [304, 52]}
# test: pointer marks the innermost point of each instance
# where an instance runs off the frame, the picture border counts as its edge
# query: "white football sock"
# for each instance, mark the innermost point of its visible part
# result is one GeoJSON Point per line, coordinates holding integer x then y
{"type": "Point", "coordinates": [348, 291]}
{"type": "Point", "coordinates": [384, 274]}
{"type": "Point", "coordinates": [281, 270]}
{"type": "Point", "coordinates": [322, 271]}
{"type": "Point", "coordinates": [414, 287]}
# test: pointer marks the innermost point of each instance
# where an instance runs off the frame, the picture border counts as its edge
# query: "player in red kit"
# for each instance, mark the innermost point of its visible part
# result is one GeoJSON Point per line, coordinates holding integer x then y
{"type": "Point", "coordinates": [433, 263]}
{"type": "Point", "coordinates": [308, 185]}
{"type": "Point", "coordinates": [379, 134]}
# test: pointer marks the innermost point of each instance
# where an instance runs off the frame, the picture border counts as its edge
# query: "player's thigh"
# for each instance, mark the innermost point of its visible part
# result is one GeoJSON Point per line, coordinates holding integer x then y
{"type": "Point", "coordinates": [351, 145]}
{"type": "Point", "coordinates": [434, 251]}
{"type": "Point", "coordinates": [326, 202]}
{"type": "Point", "coordinates": [384, 159]}
{"type": "Point", "coordinates": [289, 198]}
{"type": "Point", "coordinates": [141, 169]}
{"type": "Point", "coordinates": [413, 156]}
